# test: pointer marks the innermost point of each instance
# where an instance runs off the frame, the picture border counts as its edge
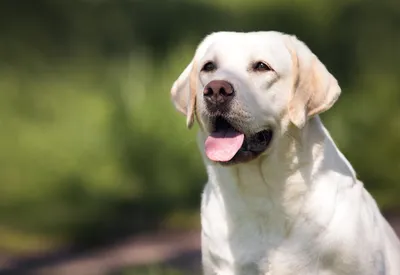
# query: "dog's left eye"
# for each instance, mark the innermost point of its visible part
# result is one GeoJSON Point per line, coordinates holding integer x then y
{"type": "Point", "coordinates": [261, 67]}
{"type": "Point", "coordinates": [209, 67]}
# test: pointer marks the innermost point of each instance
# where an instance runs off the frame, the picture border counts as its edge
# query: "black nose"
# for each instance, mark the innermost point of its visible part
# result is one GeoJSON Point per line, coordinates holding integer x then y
{"type": "Point", "coordinates": [218, 93]}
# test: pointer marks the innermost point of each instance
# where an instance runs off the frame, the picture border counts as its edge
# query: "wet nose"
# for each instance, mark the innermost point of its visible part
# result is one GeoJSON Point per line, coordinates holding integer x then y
{"type": "Point", "coordinates": [218, 92]}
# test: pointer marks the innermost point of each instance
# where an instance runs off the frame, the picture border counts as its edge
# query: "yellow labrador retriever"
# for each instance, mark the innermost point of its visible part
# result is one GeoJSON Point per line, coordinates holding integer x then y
{"type": "Point", "coordinates": [281, 198]}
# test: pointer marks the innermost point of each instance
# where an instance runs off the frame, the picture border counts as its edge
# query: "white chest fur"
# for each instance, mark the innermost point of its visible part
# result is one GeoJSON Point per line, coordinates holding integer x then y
{"type": "Point", "coordinates": [235, 221]}
{"type": "Point", "coordinates": [244, 221]}
{"type": "Point", "coordinates": [253, 228]}
{"type": "Point", "coordinates": [236, 224]}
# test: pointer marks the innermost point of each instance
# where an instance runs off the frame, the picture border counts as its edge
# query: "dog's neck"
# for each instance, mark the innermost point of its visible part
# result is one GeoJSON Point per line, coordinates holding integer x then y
{"type": "Point", "coordinates": [277, 183]}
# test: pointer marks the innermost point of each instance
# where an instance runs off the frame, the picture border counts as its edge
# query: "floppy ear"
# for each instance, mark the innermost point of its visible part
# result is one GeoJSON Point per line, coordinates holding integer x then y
{"type": "Point", "coordinates": [183, 93]}
{"type": "Point", "coordinates": [315, 90]}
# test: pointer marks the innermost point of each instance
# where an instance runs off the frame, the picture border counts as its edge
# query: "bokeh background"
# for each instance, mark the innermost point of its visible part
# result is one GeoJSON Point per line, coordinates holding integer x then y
{"type": "Point", "coordinates": [92, 152]}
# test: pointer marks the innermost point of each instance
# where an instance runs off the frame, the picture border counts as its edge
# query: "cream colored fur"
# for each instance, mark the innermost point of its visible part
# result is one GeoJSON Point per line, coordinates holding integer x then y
{"type": "Point", "coordinates": [298, 208]}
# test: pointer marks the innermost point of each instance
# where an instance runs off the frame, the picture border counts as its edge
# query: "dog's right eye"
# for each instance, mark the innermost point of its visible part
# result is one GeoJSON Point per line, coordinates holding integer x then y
{"type": "Point", "coordinates": [209, 67]}
{"type": "Point", "coordinates": [261, 67]}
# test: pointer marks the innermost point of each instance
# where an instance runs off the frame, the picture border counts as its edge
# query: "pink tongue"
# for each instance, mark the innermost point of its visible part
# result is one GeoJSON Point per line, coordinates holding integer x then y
{"type": "Point", "coordinates": [223, 145]}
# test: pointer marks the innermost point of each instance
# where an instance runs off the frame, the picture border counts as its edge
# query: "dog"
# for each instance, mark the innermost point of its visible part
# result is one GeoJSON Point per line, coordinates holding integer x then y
{"type": "Point", "coordinates": [281, 198]}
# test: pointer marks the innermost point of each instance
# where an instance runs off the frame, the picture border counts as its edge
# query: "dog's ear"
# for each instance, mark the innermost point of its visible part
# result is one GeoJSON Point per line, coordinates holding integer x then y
{"type": "Point", "coordinates": [183, 93]}
{"type": "Point", "coordinates": [315, 90]}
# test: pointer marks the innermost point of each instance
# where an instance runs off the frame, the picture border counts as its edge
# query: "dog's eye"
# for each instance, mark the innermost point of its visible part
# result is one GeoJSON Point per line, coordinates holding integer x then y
{"type": "Point", "coordinates": [209, 67]}
{"type": "Point", "coordinates": [261, 67]}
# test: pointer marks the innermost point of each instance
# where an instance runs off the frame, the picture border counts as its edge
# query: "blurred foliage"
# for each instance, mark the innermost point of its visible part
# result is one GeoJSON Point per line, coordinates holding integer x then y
{"type": "Point", "coordinates": [92, 147]}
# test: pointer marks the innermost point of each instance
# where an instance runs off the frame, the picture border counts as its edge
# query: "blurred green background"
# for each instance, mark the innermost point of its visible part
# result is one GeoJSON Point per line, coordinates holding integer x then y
{"type": "Point", "coordinates": [91, 146]}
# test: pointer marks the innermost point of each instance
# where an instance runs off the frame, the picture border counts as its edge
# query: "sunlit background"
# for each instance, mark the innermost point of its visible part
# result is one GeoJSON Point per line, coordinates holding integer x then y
{"type": "Point", "coordinates": [98, 173]}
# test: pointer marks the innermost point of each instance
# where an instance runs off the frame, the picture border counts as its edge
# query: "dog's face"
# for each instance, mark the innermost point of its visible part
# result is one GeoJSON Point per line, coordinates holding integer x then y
{"type": "Point", "coordinates": [246, 88]}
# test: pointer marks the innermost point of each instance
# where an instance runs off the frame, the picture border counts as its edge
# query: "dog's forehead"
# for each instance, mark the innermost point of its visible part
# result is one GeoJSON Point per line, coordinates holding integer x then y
{"type": "Point", "coordinates": [244, 47]}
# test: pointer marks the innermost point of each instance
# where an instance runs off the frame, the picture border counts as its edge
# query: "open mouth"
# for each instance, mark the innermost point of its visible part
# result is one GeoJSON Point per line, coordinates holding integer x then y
{"type": "Point", "coordinates": [227, 145]}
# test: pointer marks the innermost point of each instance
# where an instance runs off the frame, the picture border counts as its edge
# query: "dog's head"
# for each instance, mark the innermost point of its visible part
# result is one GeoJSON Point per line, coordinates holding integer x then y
{"type": "Point", "coordinates": [245, 89]}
